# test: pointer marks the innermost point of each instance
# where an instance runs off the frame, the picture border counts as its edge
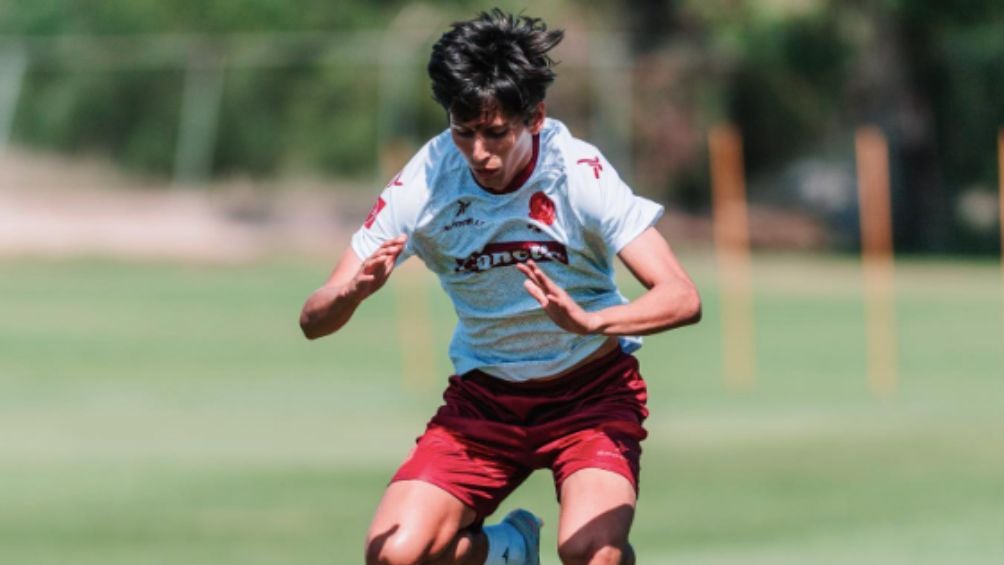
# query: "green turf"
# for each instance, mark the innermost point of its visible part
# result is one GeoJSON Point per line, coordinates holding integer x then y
{"type": "Point", "coordinates": [163, 413]}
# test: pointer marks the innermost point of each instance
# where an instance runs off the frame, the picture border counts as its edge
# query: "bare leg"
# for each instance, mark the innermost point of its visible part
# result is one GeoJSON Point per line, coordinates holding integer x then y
{"type": "Point", "coordinates": [420, 523]}
{"type": "Point", "coordinates": [597, 508]}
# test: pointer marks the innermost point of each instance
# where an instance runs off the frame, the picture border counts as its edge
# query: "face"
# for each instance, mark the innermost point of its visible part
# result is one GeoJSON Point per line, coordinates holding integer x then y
{"type": "Point", "coordinates": [496, 147]}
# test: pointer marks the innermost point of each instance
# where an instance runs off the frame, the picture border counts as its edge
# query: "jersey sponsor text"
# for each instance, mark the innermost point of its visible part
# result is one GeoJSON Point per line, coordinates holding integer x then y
{"type": "Point", "coordinates": [512, 252]}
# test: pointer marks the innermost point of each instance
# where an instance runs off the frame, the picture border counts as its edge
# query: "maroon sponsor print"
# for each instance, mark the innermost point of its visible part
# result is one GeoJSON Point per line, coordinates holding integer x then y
{"type": "Point", "coordinates": [510, 253]}
{"type": "Point", "coordinates": [374, 212]}
{"type": "Point", "coordinates": [594, 163]}
{"type": "Point", "coordinates": [542, 208]}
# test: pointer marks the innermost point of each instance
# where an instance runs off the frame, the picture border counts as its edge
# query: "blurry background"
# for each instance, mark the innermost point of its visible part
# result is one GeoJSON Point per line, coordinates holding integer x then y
{"type": "Point", "coordinates": [174, 181]}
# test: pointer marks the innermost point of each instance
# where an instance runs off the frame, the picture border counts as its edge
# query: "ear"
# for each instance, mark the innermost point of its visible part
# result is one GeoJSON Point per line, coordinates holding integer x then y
{"type": "Point", "coordinates": [537, 119]}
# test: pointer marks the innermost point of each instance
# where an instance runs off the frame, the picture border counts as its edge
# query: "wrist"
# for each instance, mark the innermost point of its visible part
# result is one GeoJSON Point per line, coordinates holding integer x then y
{"type": "Point", "coordinates": [596, 323]}
{"type": "Point", "coordinates": [351, 294]}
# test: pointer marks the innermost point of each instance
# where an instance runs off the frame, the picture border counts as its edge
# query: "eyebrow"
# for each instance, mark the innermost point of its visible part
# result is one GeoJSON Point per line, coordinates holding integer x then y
{"type": "Point", "coordinates": [477, 127]}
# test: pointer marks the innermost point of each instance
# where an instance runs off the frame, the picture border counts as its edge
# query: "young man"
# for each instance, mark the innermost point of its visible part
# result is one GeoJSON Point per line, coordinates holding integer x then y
{"type": "Point", "coordinates": [520, 221]}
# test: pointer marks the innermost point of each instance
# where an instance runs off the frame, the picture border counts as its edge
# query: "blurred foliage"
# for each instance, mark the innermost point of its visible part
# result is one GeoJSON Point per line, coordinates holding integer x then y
{"type": "Point", "coordinates": [303, 114]}
{"type": "Point", "coordinates": [787, 85]}
{"type": "Point", "coordinates": [110, 17]}
{"type": "Point", "coordinates": [796, 76]}
{"type": "Point", "coordinates": [799, 77]}
{"type": "Point", "coordinates": [270, 118]}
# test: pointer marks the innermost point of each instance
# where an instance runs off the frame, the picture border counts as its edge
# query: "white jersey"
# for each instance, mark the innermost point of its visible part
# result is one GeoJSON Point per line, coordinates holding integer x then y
{"type": "Point", "coordinates": [571, 215]}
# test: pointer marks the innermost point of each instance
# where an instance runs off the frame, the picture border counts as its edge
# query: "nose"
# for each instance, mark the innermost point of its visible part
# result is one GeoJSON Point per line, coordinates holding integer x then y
{"type": "Point", "coordinates": [479, 153]}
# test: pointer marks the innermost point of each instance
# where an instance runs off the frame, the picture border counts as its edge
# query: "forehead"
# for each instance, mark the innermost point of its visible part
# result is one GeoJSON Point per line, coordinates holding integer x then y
{"type": "Point", "coordinates": [491, 118]}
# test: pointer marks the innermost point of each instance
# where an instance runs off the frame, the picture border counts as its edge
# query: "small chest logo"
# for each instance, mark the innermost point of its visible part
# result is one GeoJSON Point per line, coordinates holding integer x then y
{"type": "Point", "coordinates": [461, 219]}
{"type": "Point", "coordinates": [396, 181]}
{"type": "Point", "coordinates": [374, 212]}
{"type": "Point", "coordinates": [542, 208]}
{"type": "Point", "coordinates": [594, 163]}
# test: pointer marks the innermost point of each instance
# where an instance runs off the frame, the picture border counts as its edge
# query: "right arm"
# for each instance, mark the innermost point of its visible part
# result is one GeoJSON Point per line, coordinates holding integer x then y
{"type": "Point", "coordinates": [351, 282]}
{"type": "Point", "coordinates": [374, 251]}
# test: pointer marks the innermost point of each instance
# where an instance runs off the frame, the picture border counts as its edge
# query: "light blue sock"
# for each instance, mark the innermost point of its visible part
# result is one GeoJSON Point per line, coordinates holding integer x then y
{"type": "Point", "coordinates": [505, 545]}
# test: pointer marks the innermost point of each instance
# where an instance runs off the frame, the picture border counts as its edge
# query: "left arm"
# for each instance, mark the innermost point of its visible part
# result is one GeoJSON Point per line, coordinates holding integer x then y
{"type": "Point", "coordinates": [670, 301]}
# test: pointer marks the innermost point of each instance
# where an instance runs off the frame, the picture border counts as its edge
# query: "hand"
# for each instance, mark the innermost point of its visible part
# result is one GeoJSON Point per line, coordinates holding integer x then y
{"type": "Point", "coordinates": [560, 307]}
{"type": "Point", "coordinates": [376, 269]}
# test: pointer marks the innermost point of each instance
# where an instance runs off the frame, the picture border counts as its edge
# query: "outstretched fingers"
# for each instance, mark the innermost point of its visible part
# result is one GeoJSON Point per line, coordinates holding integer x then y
{"type": "Point", "coordinates": [558, 304]}
{"type": "Point", "coordinates": [375, 270]}
{"type": "Point", "coordinates": [535, 291]}
{"type": "Point", "coordinates": [539, 285]}
{"type": "Point", "coordinates": [540, 279]}
{"type": "Point", "coordinates": [533, 284]}
{"type": "Point", "coordinates": [388, 251]}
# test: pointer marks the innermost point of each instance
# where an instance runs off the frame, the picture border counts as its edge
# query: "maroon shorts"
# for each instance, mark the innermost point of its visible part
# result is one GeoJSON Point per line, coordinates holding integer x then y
{"type": "Point", "coordinates": [491, 434]}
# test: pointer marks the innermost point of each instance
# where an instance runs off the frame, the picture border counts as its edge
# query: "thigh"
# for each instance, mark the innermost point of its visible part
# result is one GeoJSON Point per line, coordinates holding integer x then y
{"type": "Point", "coordinates": [476, 472]}
{"type": "Point", "coordinates": [613, 446]}
{"type": "Point", "coordinates": [597, 509]}
{"type": "Point", "coordinates": [603, 431]}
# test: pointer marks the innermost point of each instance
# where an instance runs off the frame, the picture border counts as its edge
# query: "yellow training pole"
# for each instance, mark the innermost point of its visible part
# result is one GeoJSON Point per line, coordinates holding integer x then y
{"type": "Point", "coordinates": [877, 258]}
{"type": "Point", "coordinates": [409, 284]}
{"type": "Point", "coordinates": [732, 250]}
{"type": "Point", "coordinates": [414, 325]}
{"type": "Point", "coordinates": [1000, 192]}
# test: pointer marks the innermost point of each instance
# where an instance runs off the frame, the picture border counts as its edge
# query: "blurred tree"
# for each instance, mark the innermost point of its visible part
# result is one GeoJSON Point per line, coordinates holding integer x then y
{"type": "Point", "coordinates": [896, 77]}
{"type": "Point", "coordinates": [797, 77]}
{"type": "Point", "coordinates": [295, 117]}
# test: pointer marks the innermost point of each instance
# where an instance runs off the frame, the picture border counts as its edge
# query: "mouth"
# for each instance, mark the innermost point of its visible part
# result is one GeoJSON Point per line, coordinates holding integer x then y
{"type": "Point", "coordinates": [486, 173]}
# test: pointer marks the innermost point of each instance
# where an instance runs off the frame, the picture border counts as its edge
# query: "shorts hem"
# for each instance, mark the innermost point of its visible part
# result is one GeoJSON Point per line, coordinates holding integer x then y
{"type": "Point", "coordinates": [630, 476]}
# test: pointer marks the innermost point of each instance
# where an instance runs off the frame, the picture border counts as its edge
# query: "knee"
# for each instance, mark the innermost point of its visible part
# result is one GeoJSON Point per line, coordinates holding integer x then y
{"type": "Point", "coordinates": [398, 548]}
{"type": "Point", "coordinates": [595, 552]}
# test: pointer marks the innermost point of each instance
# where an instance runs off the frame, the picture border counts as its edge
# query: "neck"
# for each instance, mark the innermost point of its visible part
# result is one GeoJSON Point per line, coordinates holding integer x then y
{"type": "Point", "coordinates": [527, 164]}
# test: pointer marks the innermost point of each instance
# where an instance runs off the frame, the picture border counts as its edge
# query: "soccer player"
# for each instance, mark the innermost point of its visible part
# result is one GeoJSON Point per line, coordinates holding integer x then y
{"type": "Point", "coordinates": [520, 221]}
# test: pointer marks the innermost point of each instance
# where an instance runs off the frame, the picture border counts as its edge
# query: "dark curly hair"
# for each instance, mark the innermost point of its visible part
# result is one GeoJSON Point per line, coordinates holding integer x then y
{"type": "Point", "coordinates": [494, 61]}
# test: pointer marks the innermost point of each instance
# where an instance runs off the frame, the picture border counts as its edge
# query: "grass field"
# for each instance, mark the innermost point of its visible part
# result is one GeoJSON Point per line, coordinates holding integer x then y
{"type": "Point", "coordinates": [165, 413]}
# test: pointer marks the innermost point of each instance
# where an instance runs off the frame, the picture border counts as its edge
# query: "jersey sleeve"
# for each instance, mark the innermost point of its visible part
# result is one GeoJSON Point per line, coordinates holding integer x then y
{"type": "Point", "coordinates": [395, 211]}
{"type": "Point", "coordinates": [607, 204]}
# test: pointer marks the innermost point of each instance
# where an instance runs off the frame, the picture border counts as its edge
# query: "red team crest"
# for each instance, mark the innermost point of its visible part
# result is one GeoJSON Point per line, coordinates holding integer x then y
{"type": "Point", "coordinates": [374, 212]}
{"type": "Point", "coordinates": [542, 208]}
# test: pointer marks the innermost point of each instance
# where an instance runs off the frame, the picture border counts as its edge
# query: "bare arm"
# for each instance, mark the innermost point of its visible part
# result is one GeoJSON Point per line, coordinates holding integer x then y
{"type": "Point", "coordinates": [351, 282]}
{"type": "Point", "coordinates": [670, 301]}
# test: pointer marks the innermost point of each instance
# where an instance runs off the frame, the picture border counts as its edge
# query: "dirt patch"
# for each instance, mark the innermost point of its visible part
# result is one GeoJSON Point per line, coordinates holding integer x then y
{"type": "Point", "coordinates": [55, 206]}
{"type": "Point", "coordinates": [58, 207]}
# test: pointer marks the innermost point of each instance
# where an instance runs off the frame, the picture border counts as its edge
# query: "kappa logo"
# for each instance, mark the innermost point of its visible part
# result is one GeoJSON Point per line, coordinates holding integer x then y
{"type": "Point", "coordinates": [512, 252]}
{"type": "Point", "coordinates": [594, 163]}
{"type": "Point", "coordinates": [374, 212]}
